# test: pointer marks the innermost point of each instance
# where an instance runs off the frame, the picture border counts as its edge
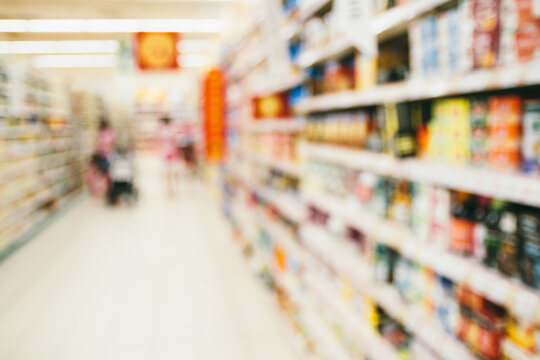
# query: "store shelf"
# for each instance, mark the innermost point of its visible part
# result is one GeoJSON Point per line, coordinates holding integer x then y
{"type": "Point", "coordinates": [287, 204]}
{"type": "Point", "coordinates": [40, 221]}
{"type": "Point", "coordinates": [514, 352]}
{"type": "Point", "coordinates": [519, 298]}
{"type": "Point", "coordinates": [285, 83]}
{"type": "Point", "coordinates": [253, 61]}
{"type": "Point", "coordinates": [398, 18]}
{"type": "Point", "coordinates": [276, 125]}
{"type": "Point", "coordinates": [333, 49]}
{"type": "Point", "coordinates": [312, 9]}
{"type": "Point", "coordinates": [284, 166]}
{"type": "Point", "coordinates": [290, 31]}
{"type": "Point", "coordinates": [325, 341]}
{"type": "Point", "coordinates": [373, 344]}
{"type": "Point", "coordinates": [506, 186]}
{"type": "Point", "coordinates": [505, 77]}
{"type": "Point", "coordinates": [415, 318]}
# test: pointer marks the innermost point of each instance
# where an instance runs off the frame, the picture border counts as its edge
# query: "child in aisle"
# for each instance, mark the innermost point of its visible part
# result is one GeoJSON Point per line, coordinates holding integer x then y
{"type": "Point", "coordinates": [98, 174]}
{"type": "Point", "coordinates": [122, 172]}
{"type": "Point", "coordinates": [169, 153]}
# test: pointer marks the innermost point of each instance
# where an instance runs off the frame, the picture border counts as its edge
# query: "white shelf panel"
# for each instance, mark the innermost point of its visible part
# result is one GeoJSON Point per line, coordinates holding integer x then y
{"type": "Point", "coordinates": [285, 83]}
{"type": "Point", "coordinates": [520, 299]}
{"type": "Point", "coordinates": [507, 186]}
{"type": "Point", "coordinates": [290, 31]}
{"type": "Point", "coordinates": [373, 344]}
{"type": "Point", "coordinates": [414, 318]}
{"type": "Point", "coordinates": [288, 167]}
{"type": "Point", "coordinates": [504, 77]}
{"type": "Point", "coordinates": [333, 49]}
{"type": "Point", "coordinates": [515, 352]}
{"type": "Point", "coordinates": [276, 125]}
{"type": "Point", "coordinates": [313, 8]}
{"type": "Point", "coordinates": [287, 204]}
{"type": "Point", "coordinates": [399, 17]}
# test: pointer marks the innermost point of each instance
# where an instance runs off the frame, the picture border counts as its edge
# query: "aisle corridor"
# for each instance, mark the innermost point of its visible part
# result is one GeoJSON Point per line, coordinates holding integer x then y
{"type": "Point", "coordinates": [159, 281]}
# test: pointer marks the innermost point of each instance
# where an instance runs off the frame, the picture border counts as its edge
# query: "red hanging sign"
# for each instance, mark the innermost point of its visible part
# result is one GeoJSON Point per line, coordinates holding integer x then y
{"type": "Point", "coordinates": [214, 115]}
{"type": "Point", "coordinates": [157, 50]}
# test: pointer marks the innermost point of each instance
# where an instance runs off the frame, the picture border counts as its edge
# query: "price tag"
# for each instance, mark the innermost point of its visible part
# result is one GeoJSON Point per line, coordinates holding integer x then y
{"type": "Point", "coordinates": [426, 333]}
{"type": "Point", "coordinates": [499, 290]}
{"type": "Point", "coordinates": [434, 337]}
{"type": "Point", "coordinates": [477, 80]}
{"type": "Point", "coordinates": [532, 76]}
{"type": "Point", "coordinates": [479, 281]}
{"type": "Point", "coordinates": [509, 76]}
{"type": "Point", "coordinates": [409, 249]}
{"type": "Point", "coordinates": [525, 304]}
{"type": "Point", "coordinates": [427, 256]}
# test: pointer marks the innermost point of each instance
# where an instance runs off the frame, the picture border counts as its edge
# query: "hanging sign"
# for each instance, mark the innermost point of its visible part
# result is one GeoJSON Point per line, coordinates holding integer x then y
{"type": "Point", "coordinates": [156, 50]}
{"type": "Point", "coordinates": [213, 115]}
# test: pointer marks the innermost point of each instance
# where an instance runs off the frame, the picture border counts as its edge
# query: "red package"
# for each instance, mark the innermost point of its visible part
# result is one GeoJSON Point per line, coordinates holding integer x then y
{"type": "Point", "coordinates": [504, 110]}
{"type": "Point", "coordinates": [486, 32]}
{"type": "Point", "coordinates": [524, 10]}
{"type": "Point", "coordinates": [527, 40]}
{"type": "Point", "coordinates": [461, 235]}
{"type": "Point", "coordinates": [489, 342]}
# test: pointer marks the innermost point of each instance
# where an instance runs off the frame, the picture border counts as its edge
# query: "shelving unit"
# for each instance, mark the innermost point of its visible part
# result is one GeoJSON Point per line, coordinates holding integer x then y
{"type": "Point", "coordinates": [331, 50]}
{"type": "Point", "coordinates": [507, 186]}
{"type": "Point", "coordinates": [501, 78]}
{"type": "Point", "coordinates": [42, 156]}
{"type": "Point", "coordinates": [286, 226]}
{"type": "Point", "coordinates": [276, 125]}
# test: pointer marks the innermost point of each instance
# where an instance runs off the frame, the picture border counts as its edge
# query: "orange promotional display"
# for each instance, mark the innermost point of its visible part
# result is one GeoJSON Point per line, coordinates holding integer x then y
{"type": "Point", "coordinates": [272, 106]}
{"type": "Point", "coordinates": [213, 113]}
{"type": "Point", "coordinates": [157, 50]}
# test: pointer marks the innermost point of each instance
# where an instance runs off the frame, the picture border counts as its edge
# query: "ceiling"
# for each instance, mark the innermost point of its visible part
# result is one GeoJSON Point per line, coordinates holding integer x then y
{"type": "Point", "coordinates": [113, 9]}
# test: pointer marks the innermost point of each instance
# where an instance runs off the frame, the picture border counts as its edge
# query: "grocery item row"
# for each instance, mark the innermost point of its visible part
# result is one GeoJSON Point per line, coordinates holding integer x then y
{"type": "Point", "coordinates": [408, 304]}
{"type": "Point", "coordinates": [499, 131]}
{"type": "Point", "coordinates": [44, 148]}
{"type": "Point", "coordinates": [436, 38]}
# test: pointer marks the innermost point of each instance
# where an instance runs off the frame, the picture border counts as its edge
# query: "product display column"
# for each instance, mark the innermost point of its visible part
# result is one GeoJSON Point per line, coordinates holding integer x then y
{"type": "Point", "coordinates": [391, 196]}
{"type": "Point", "coordinates": [40, 152]}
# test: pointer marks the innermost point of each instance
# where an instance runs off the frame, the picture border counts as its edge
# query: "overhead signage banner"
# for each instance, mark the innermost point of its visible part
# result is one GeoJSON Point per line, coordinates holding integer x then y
{"type": "Point", "coordinates": [214, 115]}
{"type": "Point", "coordinates": [157, 50]}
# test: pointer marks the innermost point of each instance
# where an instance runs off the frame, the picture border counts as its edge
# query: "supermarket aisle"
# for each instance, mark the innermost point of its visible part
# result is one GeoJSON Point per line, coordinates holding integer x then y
{"type": "Point", "coordinates": [159, 281]}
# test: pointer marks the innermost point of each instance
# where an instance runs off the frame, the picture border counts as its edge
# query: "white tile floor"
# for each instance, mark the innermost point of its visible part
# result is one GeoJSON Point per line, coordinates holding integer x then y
{"type": "Point", "coordinates": [159, 281]}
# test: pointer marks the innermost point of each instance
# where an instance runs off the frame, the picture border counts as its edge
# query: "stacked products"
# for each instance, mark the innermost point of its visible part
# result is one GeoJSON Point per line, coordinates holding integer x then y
{"type": "Point", "coordinates": [476, 34]}
{"type": "Point", "coordinates": [41, 155]}
{"type": "Point", "coordinates": [501, 235]}
{"type": "Point", "coordinates": [499, 132]}
{"type": "Point", "coordinates": [482, 325]}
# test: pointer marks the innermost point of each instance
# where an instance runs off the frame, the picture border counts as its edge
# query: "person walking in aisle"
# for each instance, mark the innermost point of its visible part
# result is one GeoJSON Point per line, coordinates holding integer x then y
{"type": "Point", "coordinates": [98, 174]}
{"type": "Point", "coordinates": [169, 153]}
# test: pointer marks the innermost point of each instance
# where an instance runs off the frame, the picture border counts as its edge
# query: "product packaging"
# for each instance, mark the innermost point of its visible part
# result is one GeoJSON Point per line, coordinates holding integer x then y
{"type": "Point", "coordinates": [504, 122]}
{"type": "Point", "coordinates": [530, 144]}
{"type": "Point", "coordinates": [479, 131]}
{"type": "Point", "coordinates": [486, 16]}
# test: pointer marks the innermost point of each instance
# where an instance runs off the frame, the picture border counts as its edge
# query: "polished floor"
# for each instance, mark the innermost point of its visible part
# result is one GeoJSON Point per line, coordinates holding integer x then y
{"type": "Point", "coordinates": [161, 280]}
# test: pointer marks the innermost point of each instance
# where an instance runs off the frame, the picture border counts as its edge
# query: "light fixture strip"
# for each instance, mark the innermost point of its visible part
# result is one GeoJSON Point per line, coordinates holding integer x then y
{"type": "Point", "coordinates": [59, 47]}
{"type": "Point", "coordinates": [112, 25]}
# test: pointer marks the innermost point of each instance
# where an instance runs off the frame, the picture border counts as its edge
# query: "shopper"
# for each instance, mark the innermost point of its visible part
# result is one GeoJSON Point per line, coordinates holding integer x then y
{"type": "Point", "coordinates": [106, 138]}
{"type": "Point", "coordinates": [122, 175]}
{"type": "Point", "coordinates": [169, 153]}
{"type": "Point", "coordinates": [98, 172]}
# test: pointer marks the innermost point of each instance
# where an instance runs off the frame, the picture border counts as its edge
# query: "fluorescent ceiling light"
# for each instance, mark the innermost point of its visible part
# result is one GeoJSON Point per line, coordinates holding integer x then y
{"type": "Point", "coordinates": [192, 60]}
{"type": "Point", "coordinates": [112, 25]}
{"type": "Point", "coordinates": [74, 61]}
{"type": "Point", "coordinates": [13, 25]}
{"type": "Point", "coordinates": [59, 47]}
{"type": "Point", "coordinates": [193, 46]}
